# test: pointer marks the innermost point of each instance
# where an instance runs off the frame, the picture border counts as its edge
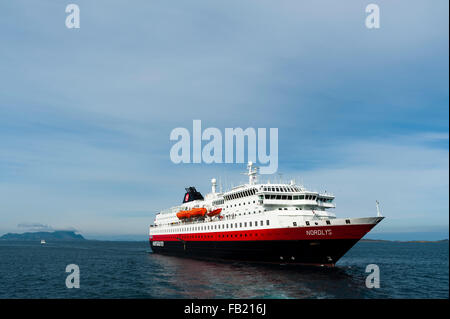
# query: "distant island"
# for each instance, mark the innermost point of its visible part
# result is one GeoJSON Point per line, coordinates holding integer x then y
{"type": "Point", "coordinates": [47, 236]}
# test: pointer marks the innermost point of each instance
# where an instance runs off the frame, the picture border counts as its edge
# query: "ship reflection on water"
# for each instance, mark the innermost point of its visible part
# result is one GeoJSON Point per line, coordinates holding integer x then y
{"type": "Point", "coordinates": [192, 278]}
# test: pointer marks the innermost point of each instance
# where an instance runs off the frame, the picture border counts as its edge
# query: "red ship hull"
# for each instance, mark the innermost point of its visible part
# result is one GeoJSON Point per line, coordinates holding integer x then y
{"type": "Point", "coordinates": [298, 245]}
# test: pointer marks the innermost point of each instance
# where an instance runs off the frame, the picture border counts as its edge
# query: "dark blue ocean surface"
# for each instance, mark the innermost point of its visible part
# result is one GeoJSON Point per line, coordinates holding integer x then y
{"type": "Point", "coordinates": [130, 270]}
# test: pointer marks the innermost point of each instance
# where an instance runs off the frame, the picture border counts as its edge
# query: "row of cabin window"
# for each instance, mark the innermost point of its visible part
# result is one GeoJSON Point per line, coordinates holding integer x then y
{"type": "Point", "coordinates": [220, 236]}
{"type": "Point", "coordinates": [235, 205]}
{"type": "Point", "coordinates": [296, 197]}
{"type": "Point", "coordinates": [246, 193]}
{"type": "Point", "coordinates": [224, 226]}
{"type": "Point", "coordinates": [285, 189]}
{"type": "Point", "coordinates": [239, 214]}
{"type": "Point", "coordinates": [218, 202]}
{"type": "Point", "coordinates": [290, 197]}
{"type": "Point", "coordinates": [244, 224]}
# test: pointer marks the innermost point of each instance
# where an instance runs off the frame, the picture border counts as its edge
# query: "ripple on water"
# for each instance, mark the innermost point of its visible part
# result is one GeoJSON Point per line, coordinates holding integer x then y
{"type": "Point", "coordinates": [128, 270]}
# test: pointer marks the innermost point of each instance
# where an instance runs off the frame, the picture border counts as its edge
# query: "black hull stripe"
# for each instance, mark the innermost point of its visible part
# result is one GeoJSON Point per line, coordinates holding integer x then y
{"type": "Point", "coordinates": [315, 252]}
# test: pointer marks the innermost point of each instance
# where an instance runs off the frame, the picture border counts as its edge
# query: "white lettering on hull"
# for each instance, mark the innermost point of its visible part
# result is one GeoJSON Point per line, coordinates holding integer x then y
{"type": "Point", "coordinates": [319, 232]}
{"type": "Point", "coordinates": [158, 243]}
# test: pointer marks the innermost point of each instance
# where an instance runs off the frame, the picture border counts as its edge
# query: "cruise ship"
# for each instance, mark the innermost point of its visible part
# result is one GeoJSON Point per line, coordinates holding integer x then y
{"type": "Point", "coordinates": [258, 222]}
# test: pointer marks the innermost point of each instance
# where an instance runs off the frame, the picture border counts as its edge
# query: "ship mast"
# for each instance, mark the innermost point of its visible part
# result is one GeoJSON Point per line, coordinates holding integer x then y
{"type": "Point", "coordinates": [378, 209]}
{"type": "Point", "coordinates": [252, 173]}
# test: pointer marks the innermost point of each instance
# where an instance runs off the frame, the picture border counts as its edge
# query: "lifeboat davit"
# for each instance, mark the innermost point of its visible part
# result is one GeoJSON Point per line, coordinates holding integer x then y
{"type": "Point", "coordinates": [214, 212]}
{"type": "Point", "coordinates": [195, 212]}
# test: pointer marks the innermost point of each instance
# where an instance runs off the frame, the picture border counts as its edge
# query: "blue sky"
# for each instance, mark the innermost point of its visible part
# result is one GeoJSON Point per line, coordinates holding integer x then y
{"type": "Point", "coordinates": [86, 114]}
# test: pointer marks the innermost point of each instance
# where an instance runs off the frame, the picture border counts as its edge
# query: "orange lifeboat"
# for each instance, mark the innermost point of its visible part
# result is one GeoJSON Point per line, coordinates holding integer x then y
{"type": "Point", "coordinates": [195, 212]}
{"type": "Point", "coordinates": [182, 214]}
{"type": "Point", "coordinates": [214, 212]}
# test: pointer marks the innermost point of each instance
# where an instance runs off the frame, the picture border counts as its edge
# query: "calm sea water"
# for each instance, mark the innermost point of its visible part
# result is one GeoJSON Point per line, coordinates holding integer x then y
{"type": "Point", "coordinates": [130, 270]}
